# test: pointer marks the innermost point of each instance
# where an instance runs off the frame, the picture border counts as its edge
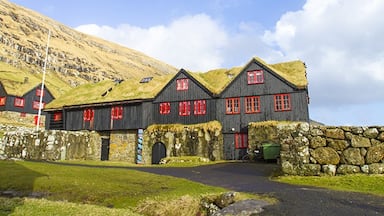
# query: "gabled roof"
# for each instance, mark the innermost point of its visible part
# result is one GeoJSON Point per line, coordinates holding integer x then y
{"type": "Point", "coordinates": [292, 71]}
{"type": "Point", "coordinates": [110, 91]}
{"type": "Point", "coordinates": [217, 80]}
{"type": "Point", "coordinates": [213, 82]}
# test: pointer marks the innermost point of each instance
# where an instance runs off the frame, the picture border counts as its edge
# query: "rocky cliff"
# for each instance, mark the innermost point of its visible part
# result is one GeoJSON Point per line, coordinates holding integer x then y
{"type": "Point", "coordinates": [76, 57]}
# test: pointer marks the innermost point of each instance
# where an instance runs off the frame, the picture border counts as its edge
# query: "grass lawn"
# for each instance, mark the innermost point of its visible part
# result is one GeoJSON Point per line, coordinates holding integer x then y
{"type": "Point", "coordinates": [371, 184]}
{"type": "Point", "coordinates": [75, 190]}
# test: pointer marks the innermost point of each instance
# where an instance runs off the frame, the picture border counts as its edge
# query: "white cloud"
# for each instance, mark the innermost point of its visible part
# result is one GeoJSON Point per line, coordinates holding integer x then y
{"type": "Point", "coordinates": [191, 42]}
{"type": "Point", "coordinates": [341, 43]}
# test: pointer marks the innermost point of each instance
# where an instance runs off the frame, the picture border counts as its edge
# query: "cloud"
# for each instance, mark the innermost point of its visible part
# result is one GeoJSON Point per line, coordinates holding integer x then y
{"type": "Point", "coordinates": [191, 42]}
{"type": "Point", "coordinates": [340, 42]}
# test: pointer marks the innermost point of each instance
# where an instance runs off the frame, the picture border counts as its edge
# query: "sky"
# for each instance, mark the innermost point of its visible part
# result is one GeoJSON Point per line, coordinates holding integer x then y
{"type": "Point", "coordinates": [340, 41]}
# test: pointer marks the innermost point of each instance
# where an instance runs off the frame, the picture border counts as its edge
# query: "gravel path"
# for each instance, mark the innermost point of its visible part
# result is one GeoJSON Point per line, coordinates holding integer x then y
{"type": "Point", "coordinates": [293, 200]}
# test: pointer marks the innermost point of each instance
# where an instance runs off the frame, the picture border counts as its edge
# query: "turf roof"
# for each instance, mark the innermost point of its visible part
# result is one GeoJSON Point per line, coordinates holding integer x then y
{"type": "Point", "coordinates": [110, 91]}
{"type": "Point", "coordinates": [214, 80]}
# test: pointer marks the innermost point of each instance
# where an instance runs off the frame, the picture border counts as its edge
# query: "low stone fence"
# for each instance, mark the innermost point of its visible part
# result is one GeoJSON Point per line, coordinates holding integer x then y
{"type": "Point", "coordinates": [50, 145]}
{"type": "Point", "coordinates": [318, 150]}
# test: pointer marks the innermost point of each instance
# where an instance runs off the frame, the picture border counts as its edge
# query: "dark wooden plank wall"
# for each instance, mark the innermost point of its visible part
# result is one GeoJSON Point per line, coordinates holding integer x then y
{"type": "Point", "coordinates": [272, 85]}
{"type": "Point", "coordinates": [135, 115]}
{"type": "Point", "coordinates": [194, 92]}
{"type": "Point", "coordinates": [29, 98]}
{"type": "Point", "coordinates": [173, 117]}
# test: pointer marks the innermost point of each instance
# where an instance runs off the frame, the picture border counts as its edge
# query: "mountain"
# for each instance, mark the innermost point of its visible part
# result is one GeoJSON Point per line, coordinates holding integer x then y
{"type": "Point", "coordinates": [75, 57]}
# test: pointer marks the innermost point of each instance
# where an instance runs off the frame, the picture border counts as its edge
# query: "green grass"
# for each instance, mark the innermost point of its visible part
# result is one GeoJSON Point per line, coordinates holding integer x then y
{"type": "Point", "coordinates": [76, 190]}
{"type": "Point", "coordinates": [370, 184]}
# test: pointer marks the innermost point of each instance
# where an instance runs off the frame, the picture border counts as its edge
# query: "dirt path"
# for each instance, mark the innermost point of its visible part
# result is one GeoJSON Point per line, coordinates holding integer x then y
{"type": "Point", "coordinates": [294, 200]}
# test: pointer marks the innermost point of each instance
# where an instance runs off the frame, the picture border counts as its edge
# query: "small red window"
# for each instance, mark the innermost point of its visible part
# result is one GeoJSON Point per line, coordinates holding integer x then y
{"type": "Point", "coordinates": [255, 77]}
{"type": "Point", "coordinates": [232, 105]}
{"type": "Point", "coordinates": [88, 114]}
{"type": "Point", "coordinates": [58, 116]}
{"type": "Point", "coordinates": [185, 108]}
{"type": "Point", "coordinates": [182, 84]}
{"type": "Point", "coordinates": [241, 141]}
{"type": "Point", "coordinates": [117, 112]}
{"type": "Point", "coordinates": [39, 93]}
{"type": "Point", "coordinates": [252, 104]}
{"type": "Point", "coordinates": [200, 107]}
{"type": "Point", "coordinates": [165, 108]}
{"type": "Point", "coordinates": [2, 101]}
{"type": "Point", "coordinates": [19, 102]}
{"type": "Point", "coordinates": [282, 102]}
{"type": "Point", "coordinates": [35, 105]}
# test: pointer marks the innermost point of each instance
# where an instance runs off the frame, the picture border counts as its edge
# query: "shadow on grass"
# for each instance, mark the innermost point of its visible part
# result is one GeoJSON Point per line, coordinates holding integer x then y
{"type": "Point", "coordinates": [16, 182]}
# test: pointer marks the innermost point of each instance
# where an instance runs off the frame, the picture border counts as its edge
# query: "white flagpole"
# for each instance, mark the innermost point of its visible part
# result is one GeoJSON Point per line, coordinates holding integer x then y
{"type": "Point", "coordinates": [42, 83]}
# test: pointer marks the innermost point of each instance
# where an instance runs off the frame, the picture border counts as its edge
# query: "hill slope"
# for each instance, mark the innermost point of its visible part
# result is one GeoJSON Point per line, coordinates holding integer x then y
{"type": "Point", "coordinates": [77, 58]}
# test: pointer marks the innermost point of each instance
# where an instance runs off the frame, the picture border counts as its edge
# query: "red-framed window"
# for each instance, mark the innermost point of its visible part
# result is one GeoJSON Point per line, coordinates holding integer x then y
{"type": "Point", "coordinates": [88, 114]}
{"type": "Point", "coordinates": [182, 84]}
{"type": "Point", "coordinates": [185, 108]}
{"type": "Point", "coordinates": [165, 108]}
{"type": "Point", "coordinates": [232, 105]}
{"type": "Point", "coordinates": [35, 105]}
{"type": "Point", "coordinates": [19, 102]}
{"type": "Point", "coordinates": [252, 104]}
{"type": "Point", "coordinates": [199, 107]}
{"type": "Point", "coordinates": [241, 141]}
{"type": "Point", "coordinates": [57, 116]}
{"type": "Point", "coordinates": [282, 102]}
{"type": "Point", "coordinates": [2, 101]}
{"type": "Point", "coordinates": [39, 92]}
{"type": "Point", "coordinates": [117, 112]}
{"type": "Point", "coordinates": [255, 77]}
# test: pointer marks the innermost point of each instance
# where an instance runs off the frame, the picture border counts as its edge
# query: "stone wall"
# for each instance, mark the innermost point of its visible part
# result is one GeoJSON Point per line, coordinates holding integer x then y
{"type": "Point", "coordinates": [123, 146]}
{"type": "Point", "coordinates": [204, 140]}
{"type": "Point", "coordinates": [318, 150]}
{"type": "Point", "coordinates": [50, 145]}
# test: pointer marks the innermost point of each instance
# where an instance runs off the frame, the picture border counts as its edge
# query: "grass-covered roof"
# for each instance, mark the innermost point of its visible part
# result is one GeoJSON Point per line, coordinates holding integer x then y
{"type": "Point", "coordinates": [214, 80]}
{"type": "Point", "coordinates": [110, 91]}
{"type": "Point", "coordinates": [292, 71]}
{"type": "Point", "coordinates": [217, 80]}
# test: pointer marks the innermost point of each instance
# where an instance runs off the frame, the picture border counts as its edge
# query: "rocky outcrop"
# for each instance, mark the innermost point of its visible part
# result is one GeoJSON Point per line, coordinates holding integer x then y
{"type": "Point", "coordinates": [76, 57]}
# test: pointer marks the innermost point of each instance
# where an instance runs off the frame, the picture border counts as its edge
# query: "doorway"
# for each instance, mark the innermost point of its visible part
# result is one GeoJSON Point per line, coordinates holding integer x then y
{"type": "Point", "coordinates": [105, 149]}
{"type": "Point", "coordinates": [158, 152]}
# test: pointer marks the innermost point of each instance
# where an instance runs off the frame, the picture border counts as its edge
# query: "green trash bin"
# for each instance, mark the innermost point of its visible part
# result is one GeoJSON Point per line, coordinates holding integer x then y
{"type": "Point", "coordinates": [271, 151]}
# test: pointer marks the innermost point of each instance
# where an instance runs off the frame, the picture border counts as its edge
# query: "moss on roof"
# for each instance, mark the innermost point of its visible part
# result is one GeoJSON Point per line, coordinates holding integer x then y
{"type": "Point", "coordinates": [214, 80]}
{"type": "Point", "coordinates": [217, 80]}
{"type": "Point", "coordinates": [110, 91]}
{"type": "Point", "coordinates": [292, 71]}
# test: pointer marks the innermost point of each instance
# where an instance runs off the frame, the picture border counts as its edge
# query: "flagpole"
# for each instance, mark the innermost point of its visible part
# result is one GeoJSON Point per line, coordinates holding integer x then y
{"type": "Point", "coordinates": [42, 83]}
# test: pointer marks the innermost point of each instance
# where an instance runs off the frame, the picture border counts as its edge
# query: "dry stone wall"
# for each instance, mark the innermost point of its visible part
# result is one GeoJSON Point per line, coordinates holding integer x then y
{"type": "Point", "coordinates": [50, 145]}
{"type": "Point", "coordinates": [318, 150]}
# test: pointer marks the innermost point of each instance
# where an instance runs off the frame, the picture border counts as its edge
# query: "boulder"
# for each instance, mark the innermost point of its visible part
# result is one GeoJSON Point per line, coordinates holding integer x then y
{"type": "Point", "coordinates": [371, 133]}
{"type": "Point", "coordinates": [338, 145]}
{"type": "Point", "coordinates": [225, 199]}
{"type": "Point", "coordinates": [325, 155]}
{"type": "Point", "coordinates": [375, 154]}
{"type": "Point", "coordinates": [335, 133]}
{"type": "Point", "coordinates": [243, 208]}
{"type": "Point", "coordinates": [353, 156]}
{"type": "Point", "coordinates": [318, 141]}
{"type": "Point", "coordinates": [381, 136]}
{"type": "Point", "coordinates": [310, 170]}
{"type": "Point", "coordinates": [329, 169]}
{"type": "Point", "coordinates": [347, 169]}
{"type": "Point", "coordinates": [376, 168]}
{"type": "Point", "coordinates": [359, 141]}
